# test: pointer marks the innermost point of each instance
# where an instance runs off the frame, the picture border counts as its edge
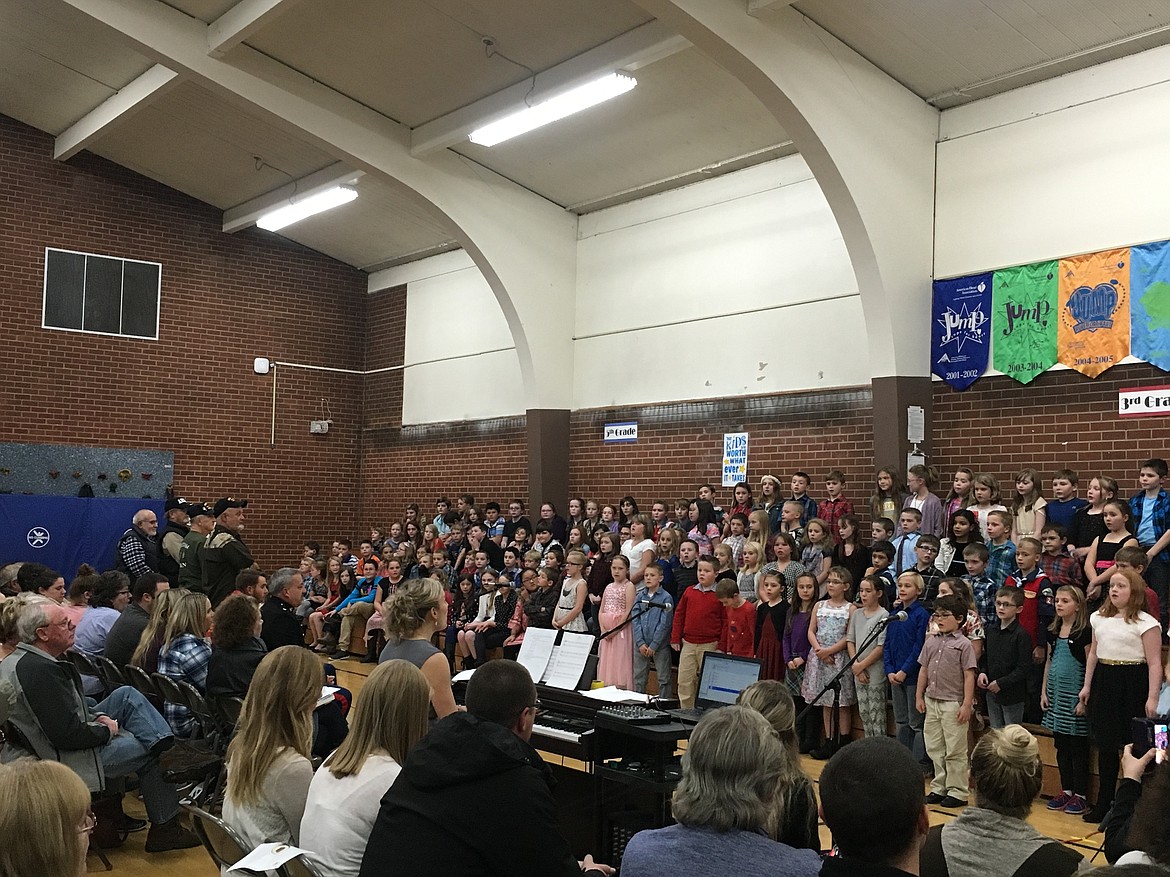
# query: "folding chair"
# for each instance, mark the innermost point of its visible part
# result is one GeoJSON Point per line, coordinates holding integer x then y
{"type": "Point", "coordinates": [219, 839]}
{"type": "Point", "coordinates": [299, 867]}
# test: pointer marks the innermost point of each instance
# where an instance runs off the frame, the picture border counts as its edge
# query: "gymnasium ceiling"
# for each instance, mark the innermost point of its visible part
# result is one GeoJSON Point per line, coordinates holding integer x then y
{"type": "Point", "coordinates": [417, 61]}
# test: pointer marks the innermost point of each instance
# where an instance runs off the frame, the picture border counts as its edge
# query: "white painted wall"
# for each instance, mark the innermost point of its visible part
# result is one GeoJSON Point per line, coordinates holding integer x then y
{"type": "Point", "coordinates": [715, 290]}
{"type": "Point", "coordinates": [750, 269]}
{"type": "Point", "coordinates": [1072, 165]}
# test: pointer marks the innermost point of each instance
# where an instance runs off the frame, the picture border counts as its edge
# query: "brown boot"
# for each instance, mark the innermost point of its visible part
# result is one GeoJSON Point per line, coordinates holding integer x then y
{"type": "Point", "coordinates": [170, 835]}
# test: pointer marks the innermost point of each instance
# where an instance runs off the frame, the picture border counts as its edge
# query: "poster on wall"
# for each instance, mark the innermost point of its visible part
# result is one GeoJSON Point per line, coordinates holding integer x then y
{"type": "Point", "coordinates": [735, 447]}
{"type": "Point", "coordinates": [1149, 318]}
{"type": "Point", "coordinates": [960, 324]}
{"type": "Point", "coordinates": [1093, 329]}
{"type": "Point", "coordinates": [1024, 320]}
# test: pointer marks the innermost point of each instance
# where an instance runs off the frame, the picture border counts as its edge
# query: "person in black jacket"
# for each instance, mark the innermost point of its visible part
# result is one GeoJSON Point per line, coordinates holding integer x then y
{"type": "Point", "coordinates": [428, 825]}
{"type": "Point", "coordinates": [123, 637]}
{"type": "Point", "coordinates": [1136, 829]}
{"type": "Point", "coordinates": [282, 625]}
{"type": "Point", "coordinates": [236, 647]}
{"type": "Point", "coordinates": [1007, 660]}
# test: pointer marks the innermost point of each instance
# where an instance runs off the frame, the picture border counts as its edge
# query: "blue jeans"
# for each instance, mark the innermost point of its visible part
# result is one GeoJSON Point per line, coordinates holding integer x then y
{"type": "Point", "coordinates": [1001, 714]}
{"type": "Point", "coordinates": [139, 728]}
{"type": "Point", "coordinates": [907, 718]}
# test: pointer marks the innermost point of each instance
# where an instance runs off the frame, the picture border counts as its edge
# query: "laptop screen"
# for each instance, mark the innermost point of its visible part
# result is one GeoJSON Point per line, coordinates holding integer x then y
{"type": "Point", "coordinates": [723, 677]}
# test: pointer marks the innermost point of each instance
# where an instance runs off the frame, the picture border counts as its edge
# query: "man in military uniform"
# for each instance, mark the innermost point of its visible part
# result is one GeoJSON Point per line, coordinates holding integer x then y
{"type": "Point", "coordinates": [224, 553]}
{"type": "Point", "coordinates": [170, 538]}
{"type": "Point", "coordinates": [190, 563]}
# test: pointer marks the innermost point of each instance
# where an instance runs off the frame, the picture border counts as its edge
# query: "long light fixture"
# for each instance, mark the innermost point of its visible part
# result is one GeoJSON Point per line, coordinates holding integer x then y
{"type": "Point", "coordinates": [287, 214]}
{"type": "Point", "coordinates": [572, 101]}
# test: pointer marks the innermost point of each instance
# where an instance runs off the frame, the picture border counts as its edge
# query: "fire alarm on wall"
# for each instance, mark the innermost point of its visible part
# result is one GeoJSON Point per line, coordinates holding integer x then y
{"type": "Point", "coordinates": [319, 427]}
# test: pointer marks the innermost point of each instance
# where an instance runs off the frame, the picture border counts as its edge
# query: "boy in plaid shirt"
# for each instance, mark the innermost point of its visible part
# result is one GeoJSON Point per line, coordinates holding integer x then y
{"type": "Point", "coordinates": [983, 589]}
{"type": "Point", "coordinates": [1060, 567]}
{"type": "Point", "coordinates": [1001, 549]}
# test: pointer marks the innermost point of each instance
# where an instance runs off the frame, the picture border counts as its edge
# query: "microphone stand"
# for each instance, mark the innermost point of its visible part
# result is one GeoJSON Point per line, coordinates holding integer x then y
{"type": "Point", "coordinates": [629, 620]}
{"type": "Point", "coordinates": [835, 682]}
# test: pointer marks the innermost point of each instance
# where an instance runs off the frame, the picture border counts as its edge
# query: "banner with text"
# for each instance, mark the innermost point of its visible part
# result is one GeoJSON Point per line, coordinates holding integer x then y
{"type": "Point", "coordinates": [960, 323]}
{"type": "Point", "coordinates": [735, 447]}
{"type": "Point", "coordinates": [1024, 320]}
{"type": "Point", "coordinates": [1093, 332]}
{"type": "Point", "coordinates": [1149, 319]}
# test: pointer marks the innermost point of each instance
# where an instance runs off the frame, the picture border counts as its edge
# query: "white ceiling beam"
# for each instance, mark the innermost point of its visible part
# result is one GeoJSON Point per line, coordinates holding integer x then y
{"type": "Point", "coordinates": [114, 110]}
{"type": "Point", "coordinates": [245, 215]}
{"type": "Point", "coordinates": [633, 49]}
{"type": "Point", "coordinates": [423, 269]}
{"type": "Point", "coordinates": [755, 7]}
{"type": "Point", "coordinates": [241, 22]}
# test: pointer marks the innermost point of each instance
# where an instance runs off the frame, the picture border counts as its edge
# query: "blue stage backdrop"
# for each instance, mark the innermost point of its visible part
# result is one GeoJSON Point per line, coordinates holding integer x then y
{"type": "Point", "coordinates": [64, 532]}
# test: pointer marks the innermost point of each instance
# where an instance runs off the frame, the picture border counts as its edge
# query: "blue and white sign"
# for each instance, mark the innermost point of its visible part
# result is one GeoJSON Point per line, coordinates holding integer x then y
{"type": "Point", "coordinates": [617, 433]}
{"type": "Point", "coordinates": [735, 447]}
{"type": "Point", "coordinates": [960, 338]}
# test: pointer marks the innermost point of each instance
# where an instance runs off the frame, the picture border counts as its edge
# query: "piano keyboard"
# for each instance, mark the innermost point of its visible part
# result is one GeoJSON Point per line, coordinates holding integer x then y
{"type": "Point", "coordinates": [559, 726]}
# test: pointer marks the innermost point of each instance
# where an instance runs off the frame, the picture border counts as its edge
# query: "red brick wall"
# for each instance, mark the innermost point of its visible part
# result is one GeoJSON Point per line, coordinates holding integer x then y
{"type": "Point", "coordinates": [1060, 420]}
{"type": "Point", "coordinates": [225, 300]}
{"type": "Point", "coordinates": [680, 446]}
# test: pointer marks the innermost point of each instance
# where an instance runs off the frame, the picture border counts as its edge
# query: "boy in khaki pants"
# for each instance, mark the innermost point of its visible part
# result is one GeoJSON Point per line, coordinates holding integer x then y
{"type": "Point", "coordinates": [946, 693]}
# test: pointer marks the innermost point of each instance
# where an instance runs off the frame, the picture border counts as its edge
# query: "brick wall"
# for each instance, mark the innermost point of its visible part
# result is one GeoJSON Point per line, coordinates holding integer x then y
{"type": "Point", "coordinates": [1061, 419]}
{"type": "Point", "coordinates": [225, 300]}
{"type": "Point", "coordinates": [680, 446]}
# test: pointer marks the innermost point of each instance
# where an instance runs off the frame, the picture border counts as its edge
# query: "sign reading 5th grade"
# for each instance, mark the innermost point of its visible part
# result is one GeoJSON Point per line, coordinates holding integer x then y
{"type": "Point", "coordinates": [616, 433]}
{"type": "Point", "coordinates": [735, 447]}
{"type": "Point", "coordinates": [1143, 401]}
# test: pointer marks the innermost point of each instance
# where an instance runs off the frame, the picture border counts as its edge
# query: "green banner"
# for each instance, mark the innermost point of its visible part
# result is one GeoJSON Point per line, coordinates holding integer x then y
{"type": "Point", "coordinates": [1023, 321]}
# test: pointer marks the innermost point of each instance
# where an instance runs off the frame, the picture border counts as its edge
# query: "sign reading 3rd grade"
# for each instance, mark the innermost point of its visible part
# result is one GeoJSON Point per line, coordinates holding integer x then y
{"type": "Point", "coordinates": [1143, 401]}
{"type": "Point", "coordinates": [620, 432]}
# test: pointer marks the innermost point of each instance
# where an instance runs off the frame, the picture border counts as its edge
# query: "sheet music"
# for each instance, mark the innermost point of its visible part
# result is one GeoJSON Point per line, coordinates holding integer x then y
{"type": "Point", "coordinates": [567, 662]}
{"type": "Point", "coordinates": [536, 650]}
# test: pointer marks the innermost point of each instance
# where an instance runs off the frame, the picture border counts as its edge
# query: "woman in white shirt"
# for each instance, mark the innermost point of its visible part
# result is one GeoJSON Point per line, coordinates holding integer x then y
{"type": "Point", "coordinates": [268, 760]}
{"type": "Point", "coordinates": [639, 548]}
{"type": "Point", "coordinates": [344, 797]}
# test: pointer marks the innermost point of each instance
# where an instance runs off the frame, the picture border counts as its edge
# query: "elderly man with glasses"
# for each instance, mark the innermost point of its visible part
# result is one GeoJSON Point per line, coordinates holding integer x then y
{"type": "Point", "coordinates": [47, 716]}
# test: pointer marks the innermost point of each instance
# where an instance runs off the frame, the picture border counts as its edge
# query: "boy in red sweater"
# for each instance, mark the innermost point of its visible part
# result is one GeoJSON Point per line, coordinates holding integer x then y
{"type": "Point", "coordinates": [738, 635]}
{"type": "Point", "coordinates": [697, 627]}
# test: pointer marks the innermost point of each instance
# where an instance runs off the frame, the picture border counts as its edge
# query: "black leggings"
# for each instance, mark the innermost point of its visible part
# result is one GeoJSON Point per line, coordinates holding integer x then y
{"type": "Point", "coordinates": [486, 640]}
{"type": "Point", "coordinates": [1072, 759]}
{"type": "Point", "coordinates": [1108, 767]}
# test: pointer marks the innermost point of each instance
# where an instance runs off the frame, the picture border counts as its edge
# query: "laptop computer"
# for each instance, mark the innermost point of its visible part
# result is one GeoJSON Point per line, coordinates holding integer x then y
{"type": "Point", "coordinates": [721, 679]}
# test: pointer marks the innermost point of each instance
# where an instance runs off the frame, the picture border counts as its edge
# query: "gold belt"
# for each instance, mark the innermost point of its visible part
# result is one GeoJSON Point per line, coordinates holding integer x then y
{"type": "Point", "coordinates": [1119, 663]}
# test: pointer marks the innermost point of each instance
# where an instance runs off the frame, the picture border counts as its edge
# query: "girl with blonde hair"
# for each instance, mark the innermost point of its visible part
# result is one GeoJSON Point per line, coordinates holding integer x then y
{"type": "Point", "coordinates": [151, 641]}
{"type": "Point", "coordinates": [344, 797]}
{"type": "Point", "coordinates": [268, 764]}
{"type": "Point", "coordinates": [185, 654]}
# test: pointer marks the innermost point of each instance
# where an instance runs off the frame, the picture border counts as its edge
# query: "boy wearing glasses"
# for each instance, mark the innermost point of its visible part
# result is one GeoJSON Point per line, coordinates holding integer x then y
{"type": "Point", "coordinates": [946, 693]}
{"type": "Point", "coordinates": [1007, 659]}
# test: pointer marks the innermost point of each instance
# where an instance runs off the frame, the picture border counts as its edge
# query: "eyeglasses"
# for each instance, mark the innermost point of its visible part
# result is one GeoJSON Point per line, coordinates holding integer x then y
{"type": "Point", "coordinates": [64, 622]}
{"type": "Point", "coordinates": [941, 615]}
{"type": "Point", "coordinates": [1004, 604]}
{"type": "Point", "coordinates": [88, 824]}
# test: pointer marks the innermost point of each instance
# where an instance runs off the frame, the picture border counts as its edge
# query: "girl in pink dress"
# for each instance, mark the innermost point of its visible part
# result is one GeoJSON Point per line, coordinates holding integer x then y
{"type": "Point", "coordinates": [615, 665]}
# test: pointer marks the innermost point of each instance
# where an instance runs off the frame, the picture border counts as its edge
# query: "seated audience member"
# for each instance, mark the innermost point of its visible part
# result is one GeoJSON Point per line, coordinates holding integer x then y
{"type": "Point", "coordinates": [236, 647]}
{"type": "Point", "coordinates": [793, 816]}
{"type": "Point", "coordinates": [282, 626]}
{"type": "Point", "coordinates": [41, 696]}
{"type": "Point", "coordinates": [431, 821]}
{"type": "Point", "coordinates": [356, 608]}
{"type": "Point", "coordinates": [345, 793]}
{"type": "Point", "coordinates": [10, 611]}
{"type": "Point", "coordinates": [873, 804]}
{"type": "Point", "coordinates": [268, 767]}
{"type": "Point", "coordinates": [731, 773]}
{"type": "Point", "coordinates": [9, 587]}
{"type": "Point", "coordinates": [110, 596]}
{"type": "Point", "coordinates": [123, 637]}
{"type": "Point", "coordinates": [1006, 774]}
{"type": "Point", "coordinates": [80, 589]}
{"type": "Point", "coordinates": [414, 614]}
{"type": "Point", "coordinates": [46, 806]}
{"type": "Point", "coordinates": [252, 583]}
{"type": "Point", "coordinates": [1137, 831]}
{"type": "Point", "coordinates": [185, 654]}
{"type": "Point", "coordinates": [150, 643]}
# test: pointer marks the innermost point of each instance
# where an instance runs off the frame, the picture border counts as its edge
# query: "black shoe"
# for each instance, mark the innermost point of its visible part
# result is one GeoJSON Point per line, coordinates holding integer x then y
{"type": "Point", "coordinates": [340, 656]}
{"type": "Point", "coordinates": [951, 802]}
{"type": "Point", "coordinates": [1098, 813]}
{"type": "Point", "coordinates": [162, 745]}
{"type": "Point", "coordinates": [935, 798]}
{"type": "Point", "coordinates": [826, 751]}
{"type": "Point", "coordinates": [371, 657]}
{"type": "Point", "coordinates": [170, 835]}
{"type": "Point", "coordinates": [807, 747]}
{"type": "Point", "coordinates": [130, 824]}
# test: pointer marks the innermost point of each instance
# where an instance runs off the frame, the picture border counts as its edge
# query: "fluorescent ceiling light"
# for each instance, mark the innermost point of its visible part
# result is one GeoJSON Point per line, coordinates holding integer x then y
{"type": "Point", "coordinates": [573, 101]}
{"type": "Point", "coordinates": [287, 214]}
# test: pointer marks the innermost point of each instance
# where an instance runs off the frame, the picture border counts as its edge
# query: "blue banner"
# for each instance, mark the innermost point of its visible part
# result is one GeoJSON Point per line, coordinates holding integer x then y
{"type": "Point", "coordinates": [960, 333]}
{"type": "Point", "coordinates": [1149, 309]}
{"type": "Point", "coordinates": [63, 532]}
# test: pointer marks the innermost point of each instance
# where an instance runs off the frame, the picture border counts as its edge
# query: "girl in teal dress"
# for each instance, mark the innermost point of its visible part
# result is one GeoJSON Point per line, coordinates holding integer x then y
{"type": "Point", "coordinates": [1064, 714]}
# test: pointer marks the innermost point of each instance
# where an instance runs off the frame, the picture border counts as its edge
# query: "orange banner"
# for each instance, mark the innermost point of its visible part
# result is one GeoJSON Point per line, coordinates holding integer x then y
{"type": "Point", "coordinates": [1093, 332]}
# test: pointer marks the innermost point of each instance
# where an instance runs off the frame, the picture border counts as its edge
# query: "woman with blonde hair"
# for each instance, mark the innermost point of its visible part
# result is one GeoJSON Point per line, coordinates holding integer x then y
{"type": "Point", "coordinates": [731, 772]}
{"type": "Point", "coordinates": [268, 767]}
{"type": "Point", "coordinates": [793, 817]}
{"type": "Point", "coordinates": [185, 654]}
{"type": "Point", "coordinates": [151, 641]}
{"type": "Point", "coordinates": [389, 718]}
{"type": "Point", "coordinates": [414, 614]}
{"type": "Point", "coordinates": [45, 820]}
{"type": "Point", "coordinates": [1006, 775]}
